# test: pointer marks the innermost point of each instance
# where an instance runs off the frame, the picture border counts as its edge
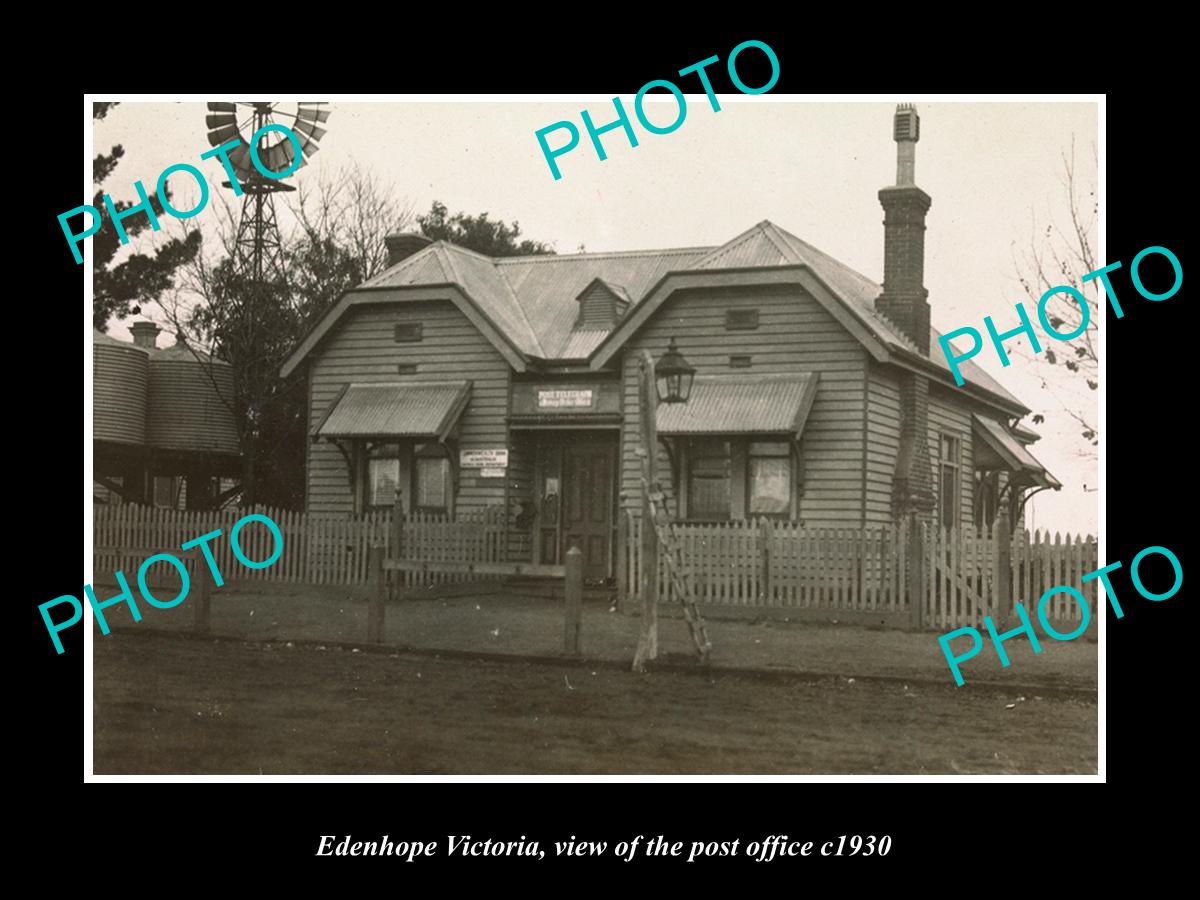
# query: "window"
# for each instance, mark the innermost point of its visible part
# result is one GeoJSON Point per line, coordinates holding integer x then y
{"type": "Point", "coordinates": [987, 493]}
{"type": "Point", "coordinates": [739, 479]}
{"type": "Point", "coordinates": [739, 362]}
{"type": "Point", "coordinates": [165, 491]}
{"type": "Point", "coordinates": [408, 332]}
{"type": "Point", "coordinates": [709, 480]}
{"type": "Point", "coordinates": [769, 479]}
{"type": "Point", "coordinates": [431, 479]}
{"type": "Point", "coordinates": [383, 475]}
{"type": "Point", "coordinates": [948, 484]}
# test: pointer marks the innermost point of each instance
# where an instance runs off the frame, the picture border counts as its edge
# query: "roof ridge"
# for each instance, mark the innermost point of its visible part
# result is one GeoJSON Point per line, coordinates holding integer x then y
{"type": "Point", "coordinates": [766, 226]}
{"type": "Point", "coordinates": [603, 254]}
{"type": "Point", "coordinates": [537, 341]}
{"type": "Point", "coordinates": [444, 245]}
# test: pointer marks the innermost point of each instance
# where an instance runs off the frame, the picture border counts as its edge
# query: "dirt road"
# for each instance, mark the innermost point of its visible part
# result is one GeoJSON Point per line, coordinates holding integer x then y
{"type": "Point", "coordinates": [168, 704]}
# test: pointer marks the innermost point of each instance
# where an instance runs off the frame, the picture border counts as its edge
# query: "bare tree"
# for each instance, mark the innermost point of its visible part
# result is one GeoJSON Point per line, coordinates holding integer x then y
{"type": "Point", "coordinates": [334, 243]}
{"type": "Point", "coordinates": [355, 210]}
{"type": "Point", "coordinates": [1060, 251]}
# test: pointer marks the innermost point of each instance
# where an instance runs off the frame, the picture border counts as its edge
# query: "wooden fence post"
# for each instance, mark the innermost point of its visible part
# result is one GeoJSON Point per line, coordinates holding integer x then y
{"type": "Point", "coordinates": [201, 603]}
{"type": "Point", "coordinates": [375, 606]}
{"type": "Point", "coordinates": [397, 537]}
{"type": "Point", "coordinates": [1003, 598]}
{"type": "Point", "coordinates": [573, 591]}
{"type": "Point", "coordinates": [622, 559]}
{"type": "Point", "coordinates": [765, 540]}
{"type": "Point", "coordinates": [915, 563]}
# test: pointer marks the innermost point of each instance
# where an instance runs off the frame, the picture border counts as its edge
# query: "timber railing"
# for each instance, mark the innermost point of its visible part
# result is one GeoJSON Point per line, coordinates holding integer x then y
{"type": "Point", "coordinates": [878, 569]}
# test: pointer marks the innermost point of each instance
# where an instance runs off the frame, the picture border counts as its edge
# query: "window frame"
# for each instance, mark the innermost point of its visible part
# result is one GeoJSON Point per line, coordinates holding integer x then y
{"type": "Point", "coordinates": [432, 452]}
{"type": "Point", "coordinates": [704, 443]}
{"type": "Point", "coordinates": [955, 465]}
{"type": "Point", "coordinates": [789, 454]}
{"type": "Point", "coordinates": [372, 454]}
{"type": "Point", "coordinates": [739, 460]}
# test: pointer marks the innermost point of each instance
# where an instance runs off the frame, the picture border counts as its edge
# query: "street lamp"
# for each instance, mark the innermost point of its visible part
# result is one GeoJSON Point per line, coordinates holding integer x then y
{"type": "Point", "coordinates": [673, 376]}
{"type": "Point", "coordinates": [672, 379]}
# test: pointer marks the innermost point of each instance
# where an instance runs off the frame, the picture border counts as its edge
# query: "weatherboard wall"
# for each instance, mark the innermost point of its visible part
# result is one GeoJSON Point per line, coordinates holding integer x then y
{"type": "Point", "coordinates": [794, 334]}
{"type": "Point", "coordinates": [362, 349]}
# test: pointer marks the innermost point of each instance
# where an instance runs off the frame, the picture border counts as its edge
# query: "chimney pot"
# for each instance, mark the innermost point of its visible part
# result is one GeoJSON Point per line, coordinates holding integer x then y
{"type": "Point", "coordinates": [145, 334]}
{"type": "Point", "coordinates": [402, 246]}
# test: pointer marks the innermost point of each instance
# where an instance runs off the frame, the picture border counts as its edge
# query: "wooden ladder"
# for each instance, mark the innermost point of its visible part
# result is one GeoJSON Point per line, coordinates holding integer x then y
{"type": "Point", "coordinates": [681, 577]}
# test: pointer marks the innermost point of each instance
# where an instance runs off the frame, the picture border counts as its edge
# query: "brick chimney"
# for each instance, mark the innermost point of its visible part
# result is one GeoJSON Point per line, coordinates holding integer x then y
{"type": "Point", "coordinates": [904, 298]}
{"type": "Point", "coordinates": [904, 301]}
{"type": "Point", "coordinates": [145, 334]}
{"type": "Point", "coordinates": [402, 246]}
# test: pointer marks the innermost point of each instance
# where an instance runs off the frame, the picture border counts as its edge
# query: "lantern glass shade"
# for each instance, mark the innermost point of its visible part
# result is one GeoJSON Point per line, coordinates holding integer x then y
{"type": "Point", "coordinates": [673, 376]}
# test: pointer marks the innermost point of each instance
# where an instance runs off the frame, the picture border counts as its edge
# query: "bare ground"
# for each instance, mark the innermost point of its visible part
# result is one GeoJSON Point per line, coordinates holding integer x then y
{"type": "Point", "coordinates": [170, 703]}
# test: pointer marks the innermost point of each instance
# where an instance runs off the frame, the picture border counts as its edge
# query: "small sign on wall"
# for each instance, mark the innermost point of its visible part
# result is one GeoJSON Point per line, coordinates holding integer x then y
{"type": "Point", "coordinates": [483, 459]}
{"type": "Point", "coordinates": [492, 472]}
{"type": "Point", "coordinates": [564, 399]}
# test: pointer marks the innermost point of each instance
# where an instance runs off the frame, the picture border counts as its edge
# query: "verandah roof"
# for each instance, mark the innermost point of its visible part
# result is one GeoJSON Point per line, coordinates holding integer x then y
{"type": "Point", "coordinates": [760, 404]}
{"type": "Point", "coordinates": [415, 409]}
{"type": "Point", "coordinates": [1014, 455]}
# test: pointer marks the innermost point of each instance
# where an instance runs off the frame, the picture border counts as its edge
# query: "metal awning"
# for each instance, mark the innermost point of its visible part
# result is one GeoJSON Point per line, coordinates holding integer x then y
{"type": "Point", "coordinates": [414, 409]}
{"type": "Point", "coordinates": [724, 404]}
{"type": "Point", "coordinates": [1012, 453]}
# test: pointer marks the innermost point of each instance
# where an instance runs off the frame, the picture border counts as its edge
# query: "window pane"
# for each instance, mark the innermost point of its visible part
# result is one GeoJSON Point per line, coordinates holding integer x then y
{"type": "Point", "coordinates": [770, 485]}
{"type": "Point", "coordinates": [770, 448]}
{"type": "Point", "coordinates": [382, 478]}
{"type": "Point", "coordinates": [708, 488]}
{"type": "Point", "coordinates": [431, 482]}
{"type": "Point", "coordinates": [380, 451]}
{"type": "Point", "coordinates": [164, 490]}
{"type": "Point", "coordinates": [949, 497]}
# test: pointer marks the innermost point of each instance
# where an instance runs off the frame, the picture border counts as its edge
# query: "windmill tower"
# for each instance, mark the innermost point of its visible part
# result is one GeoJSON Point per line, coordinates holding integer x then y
{"type": "Point", "coordinates": [259, 248]}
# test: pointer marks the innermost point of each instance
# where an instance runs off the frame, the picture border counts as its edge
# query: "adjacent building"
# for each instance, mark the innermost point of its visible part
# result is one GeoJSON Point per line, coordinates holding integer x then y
{"type": "Point", "coordinates": [163, 433]}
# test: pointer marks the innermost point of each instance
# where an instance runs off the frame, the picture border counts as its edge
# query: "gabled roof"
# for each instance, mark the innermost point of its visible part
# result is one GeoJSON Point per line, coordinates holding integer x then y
{"type": "Point", "coordinates": [528, 302]}
{"type": "Point", "coordinates": [615, 289]}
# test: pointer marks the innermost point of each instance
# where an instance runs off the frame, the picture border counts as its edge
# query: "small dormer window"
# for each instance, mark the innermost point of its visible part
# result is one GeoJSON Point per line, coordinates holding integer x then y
{"type": "Point", "coordinates": [601, 304]}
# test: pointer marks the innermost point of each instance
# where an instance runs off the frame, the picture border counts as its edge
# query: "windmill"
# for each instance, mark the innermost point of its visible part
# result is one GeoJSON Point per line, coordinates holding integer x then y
{"type": "Point", "coordinates": [249, 327]}
{"type": "Point", "coordinates": [258, 248]}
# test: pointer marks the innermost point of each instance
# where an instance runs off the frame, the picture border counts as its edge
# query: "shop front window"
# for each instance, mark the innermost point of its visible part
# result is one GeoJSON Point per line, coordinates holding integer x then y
{"type": "Point", "coordinates": [431, 479]}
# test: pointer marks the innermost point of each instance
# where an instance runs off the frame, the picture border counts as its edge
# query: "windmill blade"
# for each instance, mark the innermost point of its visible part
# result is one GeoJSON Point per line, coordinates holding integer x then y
{"type": "Point", "coordinates": [222, 107]}
{"type": "Point", "coordinates": [223, 135]}
{"type": "Point", "coordinates": [220, 120]}
{"type": "Point", "coordinates": [309, 113]}
{"type": "Point", "coordinates": [279, 157]}
{"type": "Point", "coordinates": [310, 130]}
{"type": "Point", "coordinates": [239, 158]}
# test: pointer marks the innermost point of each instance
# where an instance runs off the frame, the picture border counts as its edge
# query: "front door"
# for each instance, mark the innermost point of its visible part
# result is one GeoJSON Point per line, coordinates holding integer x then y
{"type": "Point", "coordinates": [588, 505]}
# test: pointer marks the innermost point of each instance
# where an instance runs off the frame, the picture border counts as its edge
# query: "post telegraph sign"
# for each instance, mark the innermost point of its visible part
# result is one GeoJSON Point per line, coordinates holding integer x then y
{"type": "Point", "coordinates": [484, 459]}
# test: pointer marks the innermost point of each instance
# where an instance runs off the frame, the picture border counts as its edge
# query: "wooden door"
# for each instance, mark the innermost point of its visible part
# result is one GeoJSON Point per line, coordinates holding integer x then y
{"type": "Point", "coordinates": [588, 505]}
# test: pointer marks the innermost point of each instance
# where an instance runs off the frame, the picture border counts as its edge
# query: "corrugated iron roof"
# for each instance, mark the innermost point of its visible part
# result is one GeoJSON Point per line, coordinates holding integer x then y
{"type": "Point", "coordinates": [725, 404]}
{"type": "Point", "coordinates": [105, 340]}
{"type": "Point", "coordinates": [580, 344]}
{"type": "Point", "coordinates": [412, 409]}
{"type": "Point", "coordinates": [531, 298]}
{"type": "Point", "coordinates": [1014, 454]}
{"type": "Point", "coordinates": [546, 286]}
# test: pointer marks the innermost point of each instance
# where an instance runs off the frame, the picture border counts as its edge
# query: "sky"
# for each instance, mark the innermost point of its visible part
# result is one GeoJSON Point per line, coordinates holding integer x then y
{"type": "Point", "coordinates": [812, 168]}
